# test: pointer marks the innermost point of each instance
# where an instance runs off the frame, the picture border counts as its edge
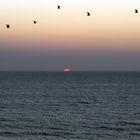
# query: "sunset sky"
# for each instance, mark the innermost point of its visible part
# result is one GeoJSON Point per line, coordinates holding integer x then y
{"type": "Point", "coordinates": [109, 39]}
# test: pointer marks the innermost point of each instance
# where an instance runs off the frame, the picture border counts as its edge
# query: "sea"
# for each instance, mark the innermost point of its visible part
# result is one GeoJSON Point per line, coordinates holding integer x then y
{"type": "Point", "coordinates": [98, 105]}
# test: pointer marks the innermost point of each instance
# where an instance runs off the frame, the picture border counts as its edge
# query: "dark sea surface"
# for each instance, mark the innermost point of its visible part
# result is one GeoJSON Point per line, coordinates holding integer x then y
{"type": "Point", "coordinates": [70, 106]}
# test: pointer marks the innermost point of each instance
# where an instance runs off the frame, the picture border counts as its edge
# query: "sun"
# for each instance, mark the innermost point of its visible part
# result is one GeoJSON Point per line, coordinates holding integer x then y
{"type": "Point", "coordinates": [67, 70]}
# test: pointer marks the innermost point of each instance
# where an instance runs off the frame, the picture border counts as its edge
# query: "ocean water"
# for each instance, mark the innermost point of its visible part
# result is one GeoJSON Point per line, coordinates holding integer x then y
{"type": "Point", "coordinates": [70, 106]}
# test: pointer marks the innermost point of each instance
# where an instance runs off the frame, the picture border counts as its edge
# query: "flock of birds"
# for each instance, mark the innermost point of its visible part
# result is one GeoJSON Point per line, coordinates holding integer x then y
{"type": "Point", "coordinates": [59, 7]}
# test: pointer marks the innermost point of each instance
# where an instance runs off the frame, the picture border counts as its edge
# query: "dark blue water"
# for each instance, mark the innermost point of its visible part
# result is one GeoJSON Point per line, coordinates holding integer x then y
{"type": "Point", "coordinates": [70, 106]}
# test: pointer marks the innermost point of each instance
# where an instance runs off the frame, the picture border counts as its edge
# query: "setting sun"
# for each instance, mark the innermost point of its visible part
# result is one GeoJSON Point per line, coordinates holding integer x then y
{"type": "Point", "coordinates": [66, 70]}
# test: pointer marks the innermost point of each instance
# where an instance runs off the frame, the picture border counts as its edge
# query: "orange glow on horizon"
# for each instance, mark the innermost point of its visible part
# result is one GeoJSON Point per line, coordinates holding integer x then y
{"type": "Point", "coordinates": [107, 26]}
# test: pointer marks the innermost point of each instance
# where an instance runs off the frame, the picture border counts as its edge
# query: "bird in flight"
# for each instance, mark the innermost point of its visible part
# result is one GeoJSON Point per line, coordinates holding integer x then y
{"type": "Point", "coordinates": [88, 14]}
{"type": "Point", "coordinates": [58, 6]}
{"type": "Point", "coordinates": [7, 26]}
{"type": "Point", "coordinates": [35, 22]}
{"type": "Point", "coordinates": [136, 11]}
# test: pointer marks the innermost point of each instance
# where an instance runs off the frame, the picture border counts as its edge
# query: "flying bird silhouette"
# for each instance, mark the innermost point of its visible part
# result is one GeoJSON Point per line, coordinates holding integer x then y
{"type": "Point", "coordinates": [58, 6]}
{"type": "Point", "coordinates": [136, 11]}
{"type": "Point", "coordinates": [35, 22]}
{"type": "Point", "coordinates": [7, 26]}
{"type": "Point", "coordinates": [88, 14]}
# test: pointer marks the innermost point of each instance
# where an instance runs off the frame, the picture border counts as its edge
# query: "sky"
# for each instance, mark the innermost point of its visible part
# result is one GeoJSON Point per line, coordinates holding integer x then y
{"type": "Point", "coordinates": [109, 39]}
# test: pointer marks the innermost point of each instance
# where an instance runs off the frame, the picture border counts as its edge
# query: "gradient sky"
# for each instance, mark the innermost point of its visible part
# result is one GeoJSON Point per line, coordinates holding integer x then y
{"type": "Point", "coordinates": [107, 40]}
